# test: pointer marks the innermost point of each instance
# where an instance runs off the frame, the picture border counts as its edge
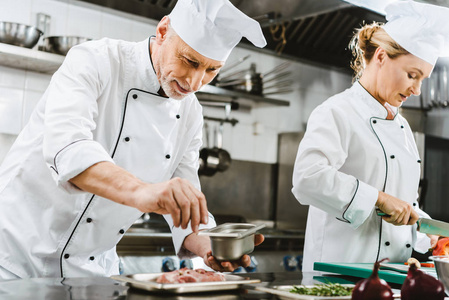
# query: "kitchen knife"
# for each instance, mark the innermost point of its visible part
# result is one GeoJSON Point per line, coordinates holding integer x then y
{"type": "Point", "coordinates": [428, 226]}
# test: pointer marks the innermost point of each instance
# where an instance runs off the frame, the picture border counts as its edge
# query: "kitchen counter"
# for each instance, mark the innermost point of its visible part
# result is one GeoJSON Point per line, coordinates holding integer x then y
{"type": "Point", "coordinates": [106, 288]}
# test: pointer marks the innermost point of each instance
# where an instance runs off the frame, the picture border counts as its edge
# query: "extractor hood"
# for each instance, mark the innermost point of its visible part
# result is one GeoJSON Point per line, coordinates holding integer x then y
{"type": "Point", "coordinates": [316, 31]}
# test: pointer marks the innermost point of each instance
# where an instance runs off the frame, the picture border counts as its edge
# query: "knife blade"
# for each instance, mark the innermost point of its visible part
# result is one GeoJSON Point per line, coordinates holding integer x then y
{"type": "Point", "coordinates": [428, 226]}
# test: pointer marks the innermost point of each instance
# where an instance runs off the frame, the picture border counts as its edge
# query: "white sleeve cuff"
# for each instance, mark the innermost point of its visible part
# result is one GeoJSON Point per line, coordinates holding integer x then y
{"type": "Point", "coordinates": [422, 244]}
{"type": "Point", "coordinates": [361, 205]}
{"type": "Point", "coordinates": [74, 159]}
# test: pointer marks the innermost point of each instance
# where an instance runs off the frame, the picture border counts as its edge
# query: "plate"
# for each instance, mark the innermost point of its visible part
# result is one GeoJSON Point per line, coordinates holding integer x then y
{"type": "Point", "coordinates": [283, 292]}
{"type": "Point", "coordinates": [147, 281]}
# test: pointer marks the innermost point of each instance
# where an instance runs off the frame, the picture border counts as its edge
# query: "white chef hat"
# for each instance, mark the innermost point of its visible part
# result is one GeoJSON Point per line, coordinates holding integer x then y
{"type": "Point", "coordinates": [421, 29]}
{"type": "Point", "coordinates": [214, 27]}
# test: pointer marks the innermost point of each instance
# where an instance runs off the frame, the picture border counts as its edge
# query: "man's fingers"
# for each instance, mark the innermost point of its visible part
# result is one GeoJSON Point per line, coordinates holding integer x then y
{"type": "Point", "coordinates": [185, 199]}
{"type": "Point", "coordinates": [258, 239]}
{"type": "Point", "coordinates": [413, 217]}
{"type": "Point", "coordinates": [204, 215]}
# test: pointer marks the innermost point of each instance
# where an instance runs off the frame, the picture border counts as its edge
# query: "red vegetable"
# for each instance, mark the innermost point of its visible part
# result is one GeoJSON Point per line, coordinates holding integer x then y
{"type": "Point", "coordinates": [442, 247]}
{"type": "Point", "coordinates": [373, 288]}
{"type": "Point", "coordinates": [419, 285]}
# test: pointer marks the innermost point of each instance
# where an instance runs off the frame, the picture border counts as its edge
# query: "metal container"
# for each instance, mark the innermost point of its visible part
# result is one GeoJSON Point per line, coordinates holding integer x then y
{"type": "Point", "coordinates": [19, 34]}
{"type": "Point", "coordinates": [230, 241]}
{"type": "Point", "coordinates": [442, 268]}
{"type": "Point", "coordinates": [62, 44]}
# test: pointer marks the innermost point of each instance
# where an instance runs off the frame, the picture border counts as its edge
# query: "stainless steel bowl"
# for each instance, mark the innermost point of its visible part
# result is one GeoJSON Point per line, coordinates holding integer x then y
{"type": "Point", "coordinates": [62, 44]}
{"type": "Point", "coordinates": [19, 34]}
{"type": "Point", "coordinates": [230, 241]}
{"type": "Point", "coordinates": [442, 268]}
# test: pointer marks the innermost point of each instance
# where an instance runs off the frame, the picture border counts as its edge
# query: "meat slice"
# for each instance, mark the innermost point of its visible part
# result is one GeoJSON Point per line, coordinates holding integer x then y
{"type": "Point", "coordinates": [186, 275]}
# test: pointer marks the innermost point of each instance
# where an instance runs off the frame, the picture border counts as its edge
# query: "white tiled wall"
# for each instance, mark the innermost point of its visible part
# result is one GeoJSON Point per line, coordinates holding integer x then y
{"type": "Point", "coordinates": [20, 90]}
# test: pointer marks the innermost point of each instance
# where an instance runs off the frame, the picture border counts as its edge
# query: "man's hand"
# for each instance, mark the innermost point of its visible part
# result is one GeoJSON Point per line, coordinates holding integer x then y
{"type": "Point", "coordinates": [399, 212]}
{"type": "Point", "coordinates": [229, 266]}
{"type": "Point", "coordinates": [177, 197]}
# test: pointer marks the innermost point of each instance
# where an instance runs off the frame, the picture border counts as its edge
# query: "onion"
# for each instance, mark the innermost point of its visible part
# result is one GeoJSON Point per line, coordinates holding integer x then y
{"type": "Point", "coordinates": [419, 285]}
{"type": "Point", "coordinates": [373, 288]}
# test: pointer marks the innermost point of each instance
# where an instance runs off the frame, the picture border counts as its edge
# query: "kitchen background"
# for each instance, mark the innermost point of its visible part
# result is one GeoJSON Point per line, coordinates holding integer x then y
{"type": "Point", "coordinates": [263, 142]}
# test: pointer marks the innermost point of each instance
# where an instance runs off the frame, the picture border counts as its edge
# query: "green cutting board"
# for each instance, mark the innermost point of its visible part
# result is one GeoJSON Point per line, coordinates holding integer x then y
{"type": "Point", "coordinates": [364, 270]}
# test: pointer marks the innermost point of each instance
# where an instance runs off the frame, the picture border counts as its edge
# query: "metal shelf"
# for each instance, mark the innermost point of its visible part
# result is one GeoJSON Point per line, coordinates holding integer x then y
{"type": "Point", "coordinates": [29, 59]}
{"type": "Point", "coordinates": [213, 90]}
{"type": "Point", "coordinates": [44, 62]}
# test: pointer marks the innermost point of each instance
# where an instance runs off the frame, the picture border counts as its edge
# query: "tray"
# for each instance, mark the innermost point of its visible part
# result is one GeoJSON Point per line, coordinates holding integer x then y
{"type": "Point", "coordinates": [282, 292]}
{"type": "Point", "coordinates": [147, 281]}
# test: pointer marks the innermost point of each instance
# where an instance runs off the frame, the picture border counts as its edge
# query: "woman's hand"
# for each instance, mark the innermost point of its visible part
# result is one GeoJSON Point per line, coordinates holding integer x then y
{"type": "Point", "coordinates": [433, 240]}
{"type": "Point", "coordinates": [229, 266]}
{"type": "Point", "coordinates": [398, 212]}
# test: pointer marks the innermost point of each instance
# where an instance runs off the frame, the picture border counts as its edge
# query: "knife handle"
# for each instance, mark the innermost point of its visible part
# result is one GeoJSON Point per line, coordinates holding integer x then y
{"type": "Point", "coordinates": [381, 213]}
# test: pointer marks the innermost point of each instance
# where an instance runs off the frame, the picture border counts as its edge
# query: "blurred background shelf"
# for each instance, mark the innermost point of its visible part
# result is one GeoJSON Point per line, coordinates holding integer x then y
{"type": "Point", "coordinates": [213, 90]}
{"type": "Point", "coordinates": [29, 59]}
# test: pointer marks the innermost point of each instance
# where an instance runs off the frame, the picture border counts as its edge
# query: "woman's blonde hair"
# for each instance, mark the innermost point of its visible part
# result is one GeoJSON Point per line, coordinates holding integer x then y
{"type": "Point", "coordinates": [365, 42]}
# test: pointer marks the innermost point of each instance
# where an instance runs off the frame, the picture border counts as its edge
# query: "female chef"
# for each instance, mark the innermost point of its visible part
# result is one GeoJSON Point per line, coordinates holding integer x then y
{"type": "Point", "coordinates": [117, 133]}
{"type": "Point", "coordinates": [358, 152]}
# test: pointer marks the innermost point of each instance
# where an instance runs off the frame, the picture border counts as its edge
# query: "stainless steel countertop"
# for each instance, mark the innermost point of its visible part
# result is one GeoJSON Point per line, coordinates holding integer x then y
{"type": "Point", "coordinates": [106, 288]}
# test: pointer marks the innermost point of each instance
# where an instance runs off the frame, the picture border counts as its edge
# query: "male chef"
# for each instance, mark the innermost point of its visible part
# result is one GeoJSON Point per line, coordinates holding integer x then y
{"type": "Point", "coordinates": [116, 134]}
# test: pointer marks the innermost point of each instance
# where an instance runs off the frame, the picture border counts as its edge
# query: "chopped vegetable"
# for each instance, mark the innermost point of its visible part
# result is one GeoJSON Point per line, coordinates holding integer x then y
{"type": "Point", "coordinates": [330, 289]}
{"type": "Point", "coordinates": [424, 265]}
{"type": "Point", "coordinates": [442, 247]}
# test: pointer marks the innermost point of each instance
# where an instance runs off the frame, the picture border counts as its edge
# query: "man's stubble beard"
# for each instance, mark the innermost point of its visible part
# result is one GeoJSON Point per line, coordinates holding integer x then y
{"type": "Point", "coordinates": [166, 87]}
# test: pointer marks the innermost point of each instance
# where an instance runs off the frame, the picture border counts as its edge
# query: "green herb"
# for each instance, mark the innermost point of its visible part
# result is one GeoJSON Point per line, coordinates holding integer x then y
{"type": "Point", "coordinates": [331, 289]}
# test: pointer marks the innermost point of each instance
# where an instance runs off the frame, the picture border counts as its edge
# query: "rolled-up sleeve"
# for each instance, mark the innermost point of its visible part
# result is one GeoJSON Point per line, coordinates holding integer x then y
{"type": "Point", "coordinates": [317, 179]}
{"type": "Point", "coordinates": [70, 114]}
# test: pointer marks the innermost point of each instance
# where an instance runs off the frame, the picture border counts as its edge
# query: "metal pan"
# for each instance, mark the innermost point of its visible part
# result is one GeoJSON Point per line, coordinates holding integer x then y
{"type": "Point", "coordinates": [147, 282]}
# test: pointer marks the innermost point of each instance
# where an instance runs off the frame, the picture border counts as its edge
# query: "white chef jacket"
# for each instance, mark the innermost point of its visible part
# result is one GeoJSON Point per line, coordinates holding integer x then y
{"type": "Point", "coordinates": [101, 105]}
{"type": "Point", "coordinates": [349, 152]}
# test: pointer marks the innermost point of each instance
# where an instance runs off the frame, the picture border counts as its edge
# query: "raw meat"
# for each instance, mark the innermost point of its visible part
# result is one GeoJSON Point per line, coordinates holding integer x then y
{"type": "Point", "coordinates": [185, 275]}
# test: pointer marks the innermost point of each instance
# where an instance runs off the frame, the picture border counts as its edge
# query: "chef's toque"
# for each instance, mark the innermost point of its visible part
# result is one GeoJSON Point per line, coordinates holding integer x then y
{"type": "Point", "coordinates": [421, 29]}
{"type": "Point", "coordinates": [214, 27]}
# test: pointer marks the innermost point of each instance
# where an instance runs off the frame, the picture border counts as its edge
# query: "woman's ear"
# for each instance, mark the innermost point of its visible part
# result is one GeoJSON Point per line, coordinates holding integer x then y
{"type": "Point", "coordinates": [380, 56]}
{"type": "Point", "coordinates": [162, 30]}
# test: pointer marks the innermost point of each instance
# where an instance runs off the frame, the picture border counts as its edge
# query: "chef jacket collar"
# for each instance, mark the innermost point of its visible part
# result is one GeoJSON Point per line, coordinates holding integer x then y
{"type": "Point", "coordinates": [376, 108]}
{"type": "Point", "coordinates": [146, 73]}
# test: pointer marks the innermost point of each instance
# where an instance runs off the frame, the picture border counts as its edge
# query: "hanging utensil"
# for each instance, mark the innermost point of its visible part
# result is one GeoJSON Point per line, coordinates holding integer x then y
{"type": "Point", "coordinates": [216, 159]}
{"type": "Point", "coordinates": [277, 69]}
{"type": "Point", "coordinates": [233, 64]}
{"type": "Point", "coordinates": [232, 82]}
{"type": "Point", "coordinates": [279, 84]}
{"type": "Point", "coordinates": [278, 77]}
{"type": "Point", "coordinates": [278, 92]}
{"type": "Point", "coordinates": [228, 77]}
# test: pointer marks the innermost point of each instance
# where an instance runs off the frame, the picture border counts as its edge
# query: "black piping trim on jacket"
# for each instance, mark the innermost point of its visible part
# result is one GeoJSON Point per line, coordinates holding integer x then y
{"type": "Point", "coordinates": [385, 183]}
{"type": "Point", "coordinates": [54, 158]}
{"type": "Point", "coordinates": [112, 156]}
{"type": "Point", "coordinates": [149, 52]}
{"type": "Point", "coordinates": [343, 219]}
{"type": "Point", "coordinates": [73, 232]}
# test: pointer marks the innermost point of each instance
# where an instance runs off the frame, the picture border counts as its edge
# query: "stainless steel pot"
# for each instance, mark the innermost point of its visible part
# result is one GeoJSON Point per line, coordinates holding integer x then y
{"type": "Point", "coordinates": [62, 44]}
{"type": "Point", "coordinates": [19, 34]}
